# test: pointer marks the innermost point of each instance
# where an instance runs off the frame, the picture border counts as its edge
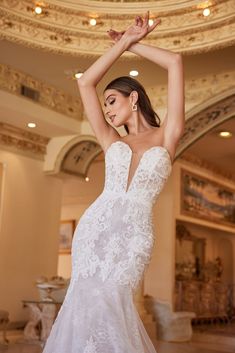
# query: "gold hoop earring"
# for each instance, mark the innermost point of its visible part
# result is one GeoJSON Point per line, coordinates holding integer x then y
{"type": "Point", "coordinates": [134, 107]}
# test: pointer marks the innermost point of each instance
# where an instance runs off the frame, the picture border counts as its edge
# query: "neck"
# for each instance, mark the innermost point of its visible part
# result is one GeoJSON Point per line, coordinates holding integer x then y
{"type": "Point", "coordinates": [137, 124]}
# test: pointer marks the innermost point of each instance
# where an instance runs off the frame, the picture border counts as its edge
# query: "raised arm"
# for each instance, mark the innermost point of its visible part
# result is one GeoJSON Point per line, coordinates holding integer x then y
{"type": "Point", "coordinates": [173, 124]}
{"type": "Point", "coordinates": [87, 86]}
{"type": "Point", "coordinates": [174, 121]}
{"type": "Point", "coordinates": [104, 132]}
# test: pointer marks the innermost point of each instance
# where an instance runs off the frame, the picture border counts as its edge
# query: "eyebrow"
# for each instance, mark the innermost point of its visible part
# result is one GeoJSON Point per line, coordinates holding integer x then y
{"type": "Point", "coordinates": [112, 94]}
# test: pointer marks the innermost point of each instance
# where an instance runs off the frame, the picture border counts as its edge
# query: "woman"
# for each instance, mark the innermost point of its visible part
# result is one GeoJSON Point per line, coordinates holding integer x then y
{"type": "Point", "coordinates": [114, 238]}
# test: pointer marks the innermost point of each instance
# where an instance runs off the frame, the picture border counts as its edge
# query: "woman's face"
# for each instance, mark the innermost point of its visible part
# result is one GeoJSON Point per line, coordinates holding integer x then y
{"type": "Point", "coordinates": [117, 108]}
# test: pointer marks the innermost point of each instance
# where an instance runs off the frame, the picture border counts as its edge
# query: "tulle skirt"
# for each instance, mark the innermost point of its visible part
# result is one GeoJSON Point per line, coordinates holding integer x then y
{"type": "Point", "coordinates": [98, 317]}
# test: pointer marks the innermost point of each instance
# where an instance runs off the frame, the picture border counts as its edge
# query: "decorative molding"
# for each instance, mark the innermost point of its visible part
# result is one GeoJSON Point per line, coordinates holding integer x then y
{"type": "Point", "coordinates": [49, 96]}
{"type": "Point", "coordinates": [79, 157]}
{"type": "Point", "coordinates": [73, 156]}
{"type": "Point", "coordinates": [201, 163]}
{"type": "Point", "coordinates": [130, 5]}
{"type": "Point", "coordinates": [64, 29]}
{"type": "Point", "coordinates": [206, 119]}
{"type": "Point", "coordinates": [24, 141]}
{"type": "Point", "coordinates": [197, 91]}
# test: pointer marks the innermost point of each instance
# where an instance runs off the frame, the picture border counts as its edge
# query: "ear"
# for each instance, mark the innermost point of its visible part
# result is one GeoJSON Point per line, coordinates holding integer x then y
{"type": "Point", "coordinates": [134, 97]}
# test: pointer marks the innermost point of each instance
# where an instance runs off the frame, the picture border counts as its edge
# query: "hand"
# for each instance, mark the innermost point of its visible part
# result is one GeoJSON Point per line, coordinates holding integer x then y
{"type": "Point", "coordinates": [135, 32]}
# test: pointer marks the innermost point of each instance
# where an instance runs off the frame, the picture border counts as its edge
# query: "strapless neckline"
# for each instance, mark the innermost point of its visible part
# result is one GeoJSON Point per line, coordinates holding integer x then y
{"type": "Point", "coordinates": [128, 186]}
{"type": "Point", "coordinates": [148, 149]}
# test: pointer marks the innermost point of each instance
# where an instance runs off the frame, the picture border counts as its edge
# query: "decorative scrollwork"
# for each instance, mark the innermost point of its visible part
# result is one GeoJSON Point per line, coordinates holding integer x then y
{"type": "Point", "coordinates": [23, 141]}
{"type": "Point", "coordinates": [49, 96]}
{"type": "Point", "coordinates": [64, 29]}
{"type": "Point", "coordinates": [205, 120]}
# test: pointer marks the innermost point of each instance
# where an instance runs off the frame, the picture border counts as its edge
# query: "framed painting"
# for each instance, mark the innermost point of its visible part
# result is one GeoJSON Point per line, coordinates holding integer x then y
{"type": "Point", "coordinates": [206, 199]}
{"type": "Point", "coordinates": [67, 229]}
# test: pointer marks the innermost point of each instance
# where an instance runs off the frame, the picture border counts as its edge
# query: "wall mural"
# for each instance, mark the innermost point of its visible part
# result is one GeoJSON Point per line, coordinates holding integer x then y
{"type": "Point", "coordinates": [79, 158]}
{"type": "Point", "coordinates": [206, 199]}
{"type": "Point", "coordinates": [66, 232]}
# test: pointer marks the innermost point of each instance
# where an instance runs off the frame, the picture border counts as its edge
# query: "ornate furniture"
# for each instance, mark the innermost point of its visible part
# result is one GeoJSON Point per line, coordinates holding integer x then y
{"type": "Point", "coordinates": [198, 283]}
{"type": "Point", "coordinates": [210, 301]}
{"type": "Point", "coordinates": [171, 326]}
{"type": "Point", "coordinates": [53, 289]}
{"type": "Point", "coordinates": [190, 254]}
{"type": "Point", "coordinates": [41, 317]}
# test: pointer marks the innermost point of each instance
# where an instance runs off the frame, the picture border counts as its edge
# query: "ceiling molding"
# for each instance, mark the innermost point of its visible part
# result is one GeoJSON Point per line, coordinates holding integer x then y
{"type": "Point", "coordinates": [205, 120]}
{"type": "Point", "coordinates": [202, 163]}
{"type": "Point", "coordinates": [198, 91]}
{"type": "Point", "coordinates": [22, 141]}
{"type": "Point", "coordinates": [51, 97]}
{"type": "Point", "coordinates": [131, 6]}
{"type": "Point", "coordinates": [64, 26]}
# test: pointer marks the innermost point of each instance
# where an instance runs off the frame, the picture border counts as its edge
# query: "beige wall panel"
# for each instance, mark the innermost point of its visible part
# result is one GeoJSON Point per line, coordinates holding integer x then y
{"type": "Point", "coordinates": [29, 233]}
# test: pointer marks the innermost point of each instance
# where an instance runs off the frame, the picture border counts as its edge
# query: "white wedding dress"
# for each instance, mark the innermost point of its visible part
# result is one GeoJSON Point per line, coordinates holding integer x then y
{"type": "Point", "coordinates": [111, 247]}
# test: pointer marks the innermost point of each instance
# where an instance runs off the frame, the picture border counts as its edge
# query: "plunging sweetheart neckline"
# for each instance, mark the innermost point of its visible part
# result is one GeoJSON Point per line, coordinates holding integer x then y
{"type": "Point", "coordinates": [127, 188]}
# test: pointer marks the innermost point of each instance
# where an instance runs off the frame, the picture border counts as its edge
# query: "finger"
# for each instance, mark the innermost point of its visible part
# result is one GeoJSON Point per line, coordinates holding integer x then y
{"type": "Point", "coordinates": [113, 31]}
{"type": "Point", "coordinates": [111, 34]}
{"type": "Point", "coordinates": [118, 34]}
{"type": "Point", "coordinates": [146, 19]}
{"type": "Point", "coordinates": [140, 21]}
{"type": "Point", "coordinates": [137, 21]}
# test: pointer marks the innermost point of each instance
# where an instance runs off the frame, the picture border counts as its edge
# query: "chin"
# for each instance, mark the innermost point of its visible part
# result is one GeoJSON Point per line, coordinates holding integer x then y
{"type": "Point", "coordinates": [117, 124]}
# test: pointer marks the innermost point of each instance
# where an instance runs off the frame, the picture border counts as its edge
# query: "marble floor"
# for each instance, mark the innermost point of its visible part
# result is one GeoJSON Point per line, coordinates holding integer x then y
{"type": "Point", "coordinates": [202, 342]}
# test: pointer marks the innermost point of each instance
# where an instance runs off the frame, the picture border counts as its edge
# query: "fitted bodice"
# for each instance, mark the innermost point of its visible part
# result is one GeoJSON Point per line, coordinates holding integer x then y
{"type": "Point", "coordinates": [114, 237]}
{"type": "Point", "coordinates": [111, 248]}
{"type": "Point", "coordinates": [148, 177]}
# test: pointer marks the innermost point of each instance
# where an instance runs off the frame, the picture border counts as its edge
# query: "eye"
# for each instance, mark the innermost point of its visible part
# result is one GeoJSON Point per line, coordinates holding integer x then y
{"type": "Point", "coordinates": [112, 101]}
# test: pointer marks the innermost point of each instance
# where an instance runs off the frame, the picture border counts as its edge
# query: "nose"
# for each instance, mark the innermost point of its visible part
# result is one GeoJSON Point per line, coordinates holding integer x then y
{"type": "Point", "coordinates": [107, 111]}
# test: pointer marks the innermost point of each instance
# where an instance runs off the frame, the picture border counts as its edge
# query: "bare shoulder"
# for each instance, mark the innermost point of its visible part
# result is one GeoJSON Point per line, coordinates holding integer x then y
{"type": "Point", "coordinates": [112, 137]}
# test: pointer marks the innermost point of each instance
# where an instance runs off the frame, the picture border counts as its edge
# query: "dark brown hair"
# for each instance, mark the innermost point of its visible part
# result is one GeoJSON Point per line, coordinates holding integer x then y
{"type": "Point", "coordinates": [125, 85]}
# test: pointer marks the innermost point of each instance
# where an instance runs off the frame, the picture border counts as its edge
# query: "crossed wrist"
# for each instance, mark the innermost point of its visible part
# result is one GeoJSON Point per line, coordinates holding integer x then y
{"type": "Point", "coordinates": [127, 43]}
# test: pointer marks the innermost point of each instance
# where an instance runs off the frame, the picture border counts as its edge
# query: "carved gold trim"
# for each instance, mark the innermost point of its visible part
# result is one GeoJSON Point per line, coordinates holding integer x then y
{"type": "Point", "coordinates": [197, 91]}
{"type": "Point", "coordinates": [20, 140]}
{"type": "Point", "coordinates": [206, 119]}
{"type": "Point", "coordinates": [49, 96]}
{"type": "Point", "coordinates": [200, 162]}
{"type": "Point", "coordinates": [64, 29]}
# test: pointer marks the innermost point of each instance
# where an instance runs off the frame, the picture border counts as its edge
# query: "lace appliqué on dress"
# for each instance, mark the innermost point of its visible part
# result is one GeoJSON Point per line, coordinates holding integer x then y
{"type": "Point", "coordinates": [111, 247]}
{"type": "Point", "coordinates": [90, 346]}
{"type": "Point", "coordinates": [114, 237]}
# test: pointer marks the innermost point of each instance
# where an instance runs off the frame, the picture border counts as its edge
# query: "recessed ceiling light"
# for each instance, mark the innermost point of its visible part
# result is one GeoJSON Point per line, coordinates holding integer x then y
{"type": "Point", "coordinates": [206, 12]}
{"type": "Point", "coordinates": [31, 125]}
{"type": "Point", "coordinates": [150, 22]}
{"type": "Point", "coordinates": [78, 74]}
{"type": "Point", "coordinates": [92, 21]}
{"type": "Point", "coordinates": [133, 73]}
{"type": "Point", "coordinates": [38, 10]}
{"type": "Point", "coordinates": [225, 134]}
{"type": "Point", "coordinates": [87, 178]}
